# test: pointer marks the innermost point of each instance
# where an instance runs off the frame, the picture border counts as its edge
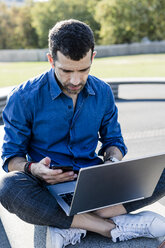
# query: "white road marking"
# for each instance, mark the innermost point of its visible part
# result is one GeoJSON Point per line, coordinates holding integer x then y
{"type": "Point", "coordinates": [144, 134]}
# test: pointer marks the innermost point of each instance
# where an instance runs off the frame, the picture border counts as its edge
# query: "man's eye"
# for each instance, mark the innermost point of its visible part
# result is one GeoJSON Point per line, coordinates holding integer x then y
{"type": "Point", "coordinates": [84, 70]}
{"type": "Point", "coordinates": [66, 71]}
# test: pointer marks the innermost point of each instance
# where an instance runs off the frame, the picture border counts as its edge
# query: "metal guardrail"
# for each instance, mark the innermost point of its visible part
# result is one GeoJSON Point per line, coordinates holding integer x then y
{"type": "Point", "coordinates": [114, 83]}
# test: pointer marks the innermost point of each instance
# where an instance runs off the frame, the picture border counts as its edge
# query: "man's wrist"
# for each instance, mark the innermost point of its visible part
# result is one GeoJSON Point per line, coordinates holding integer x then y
{"type": "Point", "coordinates": [27, 167]}
{"type": "Point", "coordinates": [111, 159]}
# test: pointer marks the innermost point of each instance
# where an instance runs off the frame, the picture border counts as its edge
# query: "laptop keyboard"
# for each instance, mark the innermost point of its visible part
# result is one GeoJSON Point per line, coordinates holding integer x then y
{"type": "Point", "coordinates": [67, 197]}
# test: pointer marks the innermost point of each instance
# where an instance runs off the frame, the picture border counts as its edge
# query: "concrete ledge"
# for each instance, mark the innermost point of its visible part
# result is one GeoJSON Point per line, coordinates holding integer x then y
{"type": "Point", "coordinates": [131, 49]}
{"type": "Point", "coordinates": [28, 55]}
{"type": "Point", "coordinates": [150, 47]}
{"type": "Point", "coordinates": [4, 243]}
{"type": "Point", "coordinates": [19, 234]}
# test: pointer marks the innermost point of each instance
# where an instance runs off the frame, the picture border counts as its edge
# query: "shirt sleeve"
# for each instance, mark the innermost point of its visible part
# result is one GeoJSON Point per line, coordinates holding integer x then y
{"type": "Point", "coordinates": [110, 131]}
{"type": "Point", "coordinates": [17, 129]}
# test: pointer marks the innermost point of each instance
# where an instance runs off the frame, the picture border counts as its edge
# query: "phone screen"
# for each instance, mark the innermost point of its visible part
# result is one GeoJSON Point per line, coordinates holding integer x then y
{"type": "Point", "coordinates": [64, 168]}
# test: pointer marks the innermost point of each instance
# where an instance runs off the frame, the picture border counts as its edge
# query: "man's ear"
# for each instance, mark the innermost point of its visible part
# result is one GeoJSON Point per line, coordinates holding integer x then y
{"type": "Point", "coordinates": [93, 55]}
{"type": "Point", "coordinates": [50, 59]}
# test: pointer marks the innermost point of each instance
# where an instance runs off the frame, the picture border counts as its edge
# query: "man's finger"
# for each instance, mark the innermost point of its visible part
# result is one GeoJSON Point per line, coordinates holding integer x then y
{"type": "Point", "coordinates": [46, 161]}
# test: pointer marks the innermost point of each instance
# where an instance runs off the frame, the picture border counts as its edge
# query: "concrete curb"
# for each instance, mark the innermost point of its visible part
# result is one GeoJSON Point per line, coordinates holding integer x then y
{"type": "Point", "coordinates": [4, 243]}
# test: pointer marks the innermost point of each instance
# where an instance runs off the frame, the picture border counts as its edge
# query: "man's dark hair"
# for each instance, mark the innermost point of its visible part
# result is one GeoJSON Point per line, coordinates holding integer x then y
{"type": "Point", "coordinates": [72, 38]}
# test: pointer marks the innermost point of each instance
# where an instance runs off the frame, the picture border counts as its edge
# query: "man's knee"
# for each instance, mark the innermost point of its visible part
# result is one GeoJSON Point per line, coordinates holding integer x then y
{"type": "Point", "coordinates": [111, 211]}
{"type": "Point", "coordinates": [9, 187]}
{"type": "Point", "coordinates": [7, 181]}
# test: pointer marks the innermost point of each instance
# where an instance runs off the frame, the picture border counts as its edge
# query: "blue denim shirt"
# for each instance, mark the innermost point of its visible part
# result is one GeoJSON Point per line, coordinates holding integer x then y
{"type": "Point", "coordinates": [40, 120]}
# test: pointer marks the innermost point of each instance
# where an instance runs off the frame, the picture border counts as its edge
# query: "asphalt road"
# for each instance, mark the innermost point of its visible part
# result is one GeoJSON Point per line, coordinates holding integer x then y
{"type": "Point", "coordinates": [142, 118]}
{"type": "Point", "coordinates": [143, 127]}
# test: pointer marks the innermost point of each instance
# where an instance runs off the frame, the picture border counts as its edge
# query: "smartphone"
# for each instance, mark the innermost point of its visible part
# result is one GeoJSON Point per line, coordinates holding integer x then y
{"type": "Point", "coordinates": [64, 168]}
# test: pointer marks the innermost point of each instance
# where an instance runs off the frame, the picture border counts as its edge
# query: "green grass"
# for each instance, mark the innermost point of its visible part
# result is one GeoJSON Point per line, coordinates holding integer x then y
{"type": "Point", "coordinates": [15, 73]}
{"type": "Point", "coordinates": [124, 66]}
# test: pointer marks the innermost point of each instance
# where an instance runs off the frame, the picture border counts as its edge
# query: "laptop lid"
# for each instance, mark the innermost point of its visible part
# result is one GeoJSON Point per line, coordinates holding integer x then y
{"type": "Point", "coordinates": [110, 184]}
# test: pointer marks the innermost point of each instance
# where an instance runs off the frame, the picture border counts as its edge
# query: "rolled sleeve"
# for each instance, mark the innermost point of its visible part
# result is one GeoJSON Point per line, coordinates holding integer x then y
{"type": "Point", "coordinates": [17, 129]}
{"type": "Point", "coordinates": [110, 131]}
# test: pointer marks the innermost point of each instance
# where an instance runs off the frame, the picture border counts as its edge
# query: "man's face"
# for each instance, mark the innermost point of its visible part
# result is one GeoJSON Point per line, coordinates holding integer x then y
{"type": "Point", "coordinates": [72, 75]}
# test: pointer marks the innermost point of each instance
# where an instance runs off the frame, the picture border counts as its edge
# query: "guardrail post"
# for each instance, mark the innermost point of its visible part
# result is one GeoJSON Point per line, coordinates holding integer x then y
{"type": "Point", "coordinates": [3, 100]}
{"type": "Point", "coordinates": [115, 89]}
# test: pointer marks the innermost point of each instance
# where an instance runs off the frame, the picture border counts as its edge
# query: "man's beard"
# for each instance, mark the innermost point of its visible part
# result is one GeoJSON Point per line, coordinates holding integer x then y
{"type": "Point", "coordinates": [64, 87]}
{"type": "Point", "coordinates": [68, 88]}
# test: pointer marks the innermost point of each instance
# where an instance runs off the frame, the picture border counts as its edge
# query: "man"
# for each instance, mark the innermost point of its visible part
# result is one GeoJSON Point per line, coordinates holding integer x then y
{"type": "Point", "coordinates": [55, 118]}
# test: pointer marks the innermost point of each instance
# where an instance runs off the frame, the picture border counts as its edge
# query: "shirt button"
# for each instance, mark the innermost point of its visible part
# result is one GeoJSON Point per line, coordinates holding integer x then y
{"type": "Point", "coordinates": [69, 106]}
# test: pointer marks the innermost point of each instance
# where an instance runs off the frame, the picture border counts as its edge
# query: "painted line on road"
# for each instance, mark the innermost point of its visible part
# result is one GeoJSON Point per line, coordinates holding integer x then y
{"type": "Point", "coordinates": [144, 134]}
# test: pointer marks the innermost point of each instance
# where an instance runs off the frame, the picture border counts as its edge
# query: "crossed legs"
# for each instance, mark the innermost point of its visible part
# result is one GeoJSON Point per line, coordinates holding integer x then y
{"type": "Point", "coordinates": [98, 221]}
{"type": "Point", "coordinates": [27, 197]}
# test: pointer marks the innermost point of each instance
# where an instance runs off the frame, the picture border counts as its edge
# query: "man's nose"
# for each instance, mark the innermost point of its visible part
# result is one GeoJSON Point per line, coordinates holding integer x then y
{"type": "Point", "coordinates": [75, 78]}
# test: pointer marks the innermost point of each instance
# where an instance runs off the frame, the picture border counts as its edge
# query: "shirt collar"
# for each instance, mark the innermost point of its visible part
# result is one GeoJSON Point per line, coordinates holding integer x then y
{"type": "Point", "coordinates": [55, 90]}
{"type": "Point", "coordinates": [88, 88]}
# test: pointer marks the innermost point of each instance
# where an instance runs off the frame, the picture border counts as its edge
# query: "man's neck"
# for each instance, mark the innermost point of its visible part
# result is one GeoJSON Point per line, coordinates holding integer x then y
{"type": "Point", "coordinates": [73, 96]}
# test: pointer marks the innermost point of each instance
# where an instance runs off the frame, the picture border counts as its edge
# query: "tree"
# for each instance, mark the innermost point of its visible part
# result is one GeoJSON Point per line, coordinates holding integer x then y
{"type": "Point", "coordinates": [16, 30]}
{"type": "Point", "coordinates": [125, 21]}
{"type": "Point", "coordinates": [5, 26]}
{"type": "Point", "coordinates": [46, 14]}
{"type": "Point", "coordinates": [25, 35]}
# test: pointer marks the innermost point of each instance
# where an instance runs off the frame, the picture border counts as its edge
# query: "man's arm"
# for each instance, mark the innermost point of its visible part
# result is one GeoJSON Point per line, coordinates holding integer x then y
{"type": "Point", "coordinates": [110, 131]}
{"type": "Point", "coordinates": [17, 164]}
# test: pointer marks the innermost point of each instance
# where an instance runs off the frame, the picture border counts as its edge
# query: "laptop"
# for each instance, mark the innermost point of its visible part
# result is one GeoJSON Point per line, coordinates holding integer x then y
{"type": "Point", "coordinates": [104, 185]}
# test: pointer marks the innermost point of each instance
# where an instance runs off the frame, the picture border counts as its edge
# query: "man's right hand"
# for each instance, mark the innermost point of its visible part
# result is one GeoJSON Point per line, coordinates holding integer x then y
{"type": "Point", "coordinates": [42, 170]}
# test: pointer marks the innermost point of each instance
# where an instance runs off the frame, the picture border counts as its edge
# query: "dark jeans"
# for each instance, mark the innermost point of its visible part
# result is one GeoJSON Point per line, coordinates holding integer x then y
{"type": "Point", "coordinates": [28, 198]}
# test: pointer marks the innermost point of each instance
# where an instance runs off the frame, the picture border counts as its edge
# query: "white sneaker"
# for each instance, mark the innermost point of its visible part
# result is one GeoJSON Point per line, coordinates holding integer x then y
{"type": "Point", "coordinates": [59, 238]}
{"type": "Point", "coordinates": [144, 224]}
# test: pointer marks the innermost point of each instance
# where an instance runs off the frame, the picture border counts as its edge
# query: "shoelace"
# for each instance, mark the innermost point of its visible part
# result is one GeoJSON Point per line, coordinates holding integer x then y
{"type": "Point", "coordinates": [132, 231]}
{"type": "Point", "coordinates": [73, 236]}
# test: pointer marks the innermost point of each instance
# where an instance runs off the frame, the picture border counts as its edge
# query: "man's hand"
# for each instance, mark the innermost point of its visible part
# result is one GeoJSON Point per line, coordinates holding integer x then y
{"type": "Point", "coordinates": [42, 170]}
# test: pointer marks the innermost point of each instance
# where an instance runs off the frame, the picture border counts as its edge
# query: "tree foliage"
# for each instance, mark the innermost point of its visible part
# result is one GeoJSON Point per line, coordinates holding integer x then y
{"type": "Point", "coordinates": [16, 29]}
{"type": "Point", "coordinates": [126, 21]}
{"type": "Point", "coordinates": [113, 21]}
{"type": "Point", "coordinates": [5, 26]}
{"type": "Point", "coordinates": [45, 15]}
